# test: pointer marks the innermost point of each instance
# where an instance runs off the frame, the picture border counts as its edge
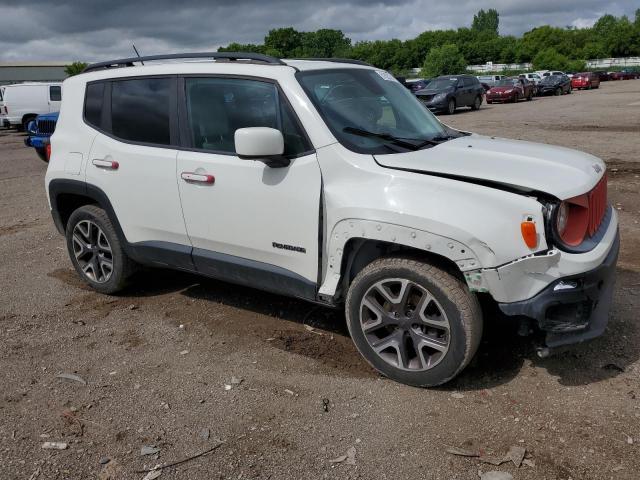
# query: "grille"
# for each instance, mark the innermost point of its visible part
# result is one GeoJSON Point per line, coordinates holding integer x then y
{"type": "Point", "coordinates": [426, 98]}
{"type": "Point", "coordinates": [46, 126]}
{"type": "Point", "coordinates": [597, 205]}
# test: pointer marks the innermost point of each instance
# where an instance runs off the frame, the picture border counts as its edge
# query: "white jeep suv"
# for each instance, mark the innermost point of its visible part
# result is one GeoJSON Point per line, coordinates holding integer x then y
{"type": "Point", "coordinates": [328, 181]}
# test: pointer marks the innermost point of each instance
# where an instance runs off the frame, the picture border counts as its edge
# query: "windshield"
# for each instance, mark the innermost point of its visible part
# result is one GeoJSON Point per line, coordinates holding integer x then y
{"type": "Point", "coordinates": [506, 83]}
{"type": "Point", "coordinates": [551, 79]}
{"type": "Point", "coordinates": [370, 112]}
{"type": "Point", "coordinates": [442, 83]}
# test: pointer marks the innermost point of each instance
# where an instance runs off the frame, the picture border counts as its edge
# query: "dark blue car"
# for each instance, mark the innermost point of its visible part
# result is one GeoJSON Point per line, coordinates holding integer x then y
{"type": "Point", "coordinates": [39, 131]}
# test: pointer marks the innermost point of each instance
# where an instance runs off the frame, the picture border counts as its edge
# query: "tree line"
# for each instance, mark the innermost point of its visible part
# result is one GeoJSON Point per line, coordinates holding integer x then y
{"type": "Point", "coordinates": [450, 51]}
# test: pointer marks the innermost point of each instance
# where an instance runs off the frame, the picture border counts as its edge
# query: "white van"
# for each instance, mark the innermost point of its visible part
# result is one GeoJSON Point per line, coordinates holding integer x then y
{"type": "Point", "coordinates": [22, 102]}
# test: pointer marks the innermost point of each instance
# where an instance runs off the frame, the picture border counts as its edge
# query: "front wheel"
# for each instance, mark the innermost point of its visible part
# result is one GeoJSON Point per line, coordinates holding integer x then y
{"type": "Point", "coordinates": [95, 250]}
{"type": "Point", "coordinates": [42, 154]}
{"type": "Point", "coordinates": [412, 321]}
{"type": "Point", "coordinates": [451, 106]}
{"type": "Point", "coordinates": [557, 92]}
{"type": "Point", "coordinates": [530, 97]}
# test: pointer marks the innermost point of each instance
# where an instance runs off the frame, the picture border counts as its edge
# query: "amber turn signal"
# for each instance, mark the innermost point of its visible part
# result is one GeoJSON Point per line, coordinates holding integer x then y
{"type": "Point", "coordinates": [529, 234]}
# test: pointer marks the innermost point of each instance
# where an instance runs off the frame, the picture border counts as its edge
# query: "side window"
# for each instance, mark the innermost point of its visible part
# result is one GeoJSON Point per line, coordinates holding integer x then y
{"type": "Point", "coordinates": [55, 93]}
{"type": "Point", "coordinates": [140, 110]}
{"type": "Point", "coordinates": [217, 107]}
{"type": "Point", "coordinates": [93, 104]}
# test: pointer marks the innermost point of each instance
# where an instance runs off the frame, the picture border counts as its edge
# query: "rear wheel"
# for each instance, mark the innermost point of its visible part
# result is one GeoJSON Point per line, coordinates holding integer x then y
{"type": "Point", "coordinates": [95, 250]}
{"type": "Point", "coordinates": [412, 321]}
{"type": "Point", "coordinates": [476, 103]}
{"type": "Point", "coordinates": [451, 106]}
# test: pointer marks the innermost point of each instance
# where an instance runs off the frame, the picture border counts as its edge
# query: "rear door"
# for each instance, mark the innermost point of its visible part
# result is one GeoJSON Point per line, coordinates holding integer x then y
{"type": "Point", "coordinates": [133, 159]}
{"type": "Point", "coordinates": [248, 223]}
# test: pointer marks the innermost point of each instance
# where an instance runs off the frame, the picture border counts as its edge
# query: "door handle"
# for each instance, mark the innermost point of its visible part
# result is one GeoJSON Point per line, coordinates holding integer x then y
{"type": "Point", "coordinates": [192, 177]}
{"type": "Point", "coordinates": [106, 164]}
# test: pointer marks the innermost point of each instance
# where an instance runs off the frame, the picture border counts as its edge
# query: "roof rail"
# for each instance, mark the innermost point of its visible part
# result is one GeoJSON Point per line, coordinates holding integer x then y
{"type": "Point", "coordinates": [229, 56]}
{"type": "Point", "coordinates": [336, 60]}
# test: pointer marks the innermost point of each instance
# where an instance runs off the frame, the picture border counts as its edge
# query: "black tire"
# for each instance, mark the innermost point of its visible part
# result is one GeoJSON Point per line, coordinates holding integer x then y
{"type": "Point", "coordinates": [122, 265]}
{"type": "Point", "coordinates": [25, 123]}
{"type": "Point", "coordinates": [459, 305]}
{"type": "Point", "coordinates": [557, 92]}
{"type": "Point", "coordinates": [476, 103]}
{"type": "Point", "coordinates": [569, 91]}
{"type": "Point", "coordinates": [42, 154]}
{"type": "Point", "coordinates": [451, 106]}
{"type": "Point", "coordinates": [530, 96]}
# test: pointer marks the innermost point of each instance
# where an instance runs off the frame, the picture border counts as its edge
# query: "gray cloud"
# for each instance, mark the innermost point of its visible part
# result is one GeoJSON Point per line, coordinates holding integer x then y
{"type": "Point", "coordinates": [97, 29]}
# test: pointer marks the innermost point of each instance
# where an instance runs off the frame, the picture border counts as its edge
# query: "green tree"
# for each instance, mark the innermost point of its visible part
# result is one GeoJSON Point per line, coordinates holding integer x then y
{"type": "Point", "coordinates": [75, 68]}
{"type": "Point", "coordinates": [550, 59]}
{"type": "Point", "coordinates": [240, 47]}
{"type": "Point", "coordinates": [486, 21]}
{"type": "Point", "coordinates": [325, 43]}
{"type": "Point", "coordinates": [283, 42]}
{"type": "Point", "coordinates": [444, 60]}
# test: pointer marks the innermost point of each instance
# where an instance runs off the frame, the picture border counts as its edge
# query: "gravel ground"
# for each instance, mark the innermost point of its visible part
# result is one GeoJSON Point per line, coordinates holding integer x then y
{"type": "Point", "coordinates": [156, 359]}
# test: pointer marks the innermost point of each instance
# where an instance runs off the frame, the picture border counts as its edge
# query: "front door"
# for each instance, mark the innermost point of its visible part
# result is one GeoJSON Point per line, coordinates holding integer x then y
{"type": "Point", "coordinates": [248, 223]}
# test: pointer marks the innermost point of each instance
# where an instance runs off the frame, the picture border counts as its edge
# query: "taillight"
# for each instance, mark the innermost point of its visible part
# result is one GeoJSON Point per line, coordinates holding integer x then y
{"type": "Point", "coordinates": [47, 150]}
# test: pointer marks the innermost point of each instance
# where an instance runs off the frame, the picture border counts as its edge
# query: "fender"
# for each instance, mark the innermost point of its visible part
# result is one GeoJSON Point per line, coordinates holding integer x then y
{"type": "Point", "coordinates": [348, 229]}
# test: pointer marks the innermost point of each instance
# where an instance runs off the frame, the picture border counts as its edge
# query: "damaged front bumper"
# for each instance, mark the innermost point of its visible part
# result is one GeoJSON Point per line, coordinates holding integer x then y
{"type": "Point", "coordinates": [567, 295]}
{"type": "Point", "coordinates": [575, 308]}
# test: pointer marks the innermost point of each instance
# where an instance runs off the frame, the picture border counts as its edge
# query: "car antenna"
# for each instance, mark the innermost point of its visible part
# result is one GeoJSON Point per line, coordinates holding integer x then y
{"type": "Point", "coordinates": [136, 50]}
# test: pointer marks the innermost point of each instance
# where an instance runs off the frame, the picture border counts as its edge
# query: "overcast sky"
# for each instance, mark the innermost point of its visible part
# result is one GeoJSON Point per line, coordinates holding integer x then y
{"type": "Point", "coordinates": [92, 30]}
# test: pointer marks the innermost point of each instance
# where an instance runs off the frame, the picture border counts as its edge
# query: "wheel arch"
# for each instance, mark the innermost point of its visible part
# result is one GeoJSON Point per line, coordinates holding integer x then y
{"type": "Point", "coordinates": [66, 196]}
{"type": "Point", "coordinates": [354, 244]}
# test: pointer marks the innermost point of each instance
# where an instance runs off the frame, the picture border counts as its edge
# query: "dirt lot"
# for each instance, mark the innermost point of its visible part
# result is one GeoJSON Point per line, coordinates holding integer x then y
{"type": "Point", "coordinates": [156, 359]}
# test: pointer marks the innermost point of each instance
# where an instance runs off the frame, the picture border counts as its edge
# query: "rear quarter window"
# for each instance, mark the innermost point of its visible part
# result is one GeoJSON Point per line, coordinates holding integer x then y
{"type": "Point", "coordinates": [55, 93]}
{"type": "Point", "coordinates": [140, 110]}
{"type": "Point", "coordinates": [93, 104]}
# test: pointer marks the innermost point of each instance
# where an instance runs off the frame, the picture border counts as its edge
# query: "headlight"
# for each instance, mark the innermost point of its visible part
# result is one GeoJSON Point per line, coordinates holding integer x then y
{"type": "Point", "coordinates": [508, 91]}
{"type": "Point", "coordinates": [561, 218]}
{"type": "Point", "coordinates": [572, 220]}
{"type": "Point", "coordinates": [440, 96]}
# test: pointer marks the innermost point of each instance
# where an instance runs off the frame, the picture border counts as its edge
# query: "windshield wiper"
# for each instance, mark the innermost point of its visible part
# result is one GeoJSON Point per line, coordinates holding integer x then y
{"type": "Point", "coordinates": [402, 141]}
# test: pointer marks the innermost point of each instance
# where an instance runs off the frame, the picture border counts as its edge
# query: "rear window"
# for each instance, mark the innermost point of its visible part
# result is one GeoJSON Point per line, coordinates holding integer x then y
{"type": "Point", "coordinates": [55, 93]}
{"type": "Point", "coordinates": [93, 104]}
{"type": "Point", "coordinates": [140, 110]}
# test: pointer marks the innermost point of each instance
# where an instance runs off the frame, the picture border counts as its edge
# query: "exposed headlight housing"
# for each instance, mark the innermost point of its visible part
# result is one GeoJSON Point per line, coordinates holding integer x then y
{"type": "Point", "coordinates": [440, 96]}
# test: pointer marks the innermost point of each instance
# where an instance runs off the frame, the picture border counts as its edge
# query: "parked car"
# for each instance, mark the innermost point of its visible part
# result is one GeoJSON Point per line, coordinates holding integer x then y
{"type": "Point", "coordinates": [548, 73]}
{"type": "Point", "coordinates": [603, 76]}
{"type": "Point", "coordinates": [511, 90]}
{"type": "Point", "coordinates": [446, 93]}
{"type": "Point", "coordinates": [329, 181]}
{"type": "Point", "coordinates": [532, 77]}
{"type": "Point", "coordinates": [490, 79]}
{"type": "Point", "coordinates": [417, 84]}
{"type": "Point", "coordinates": [554, 85]}
{"type": "Point", "coordinates": [40, 131]}
{"type": "Point", "coordinates": [623, 75]}
{"type": "Point", "coordinates": [585, 80]}
{"type": "Point", "coordinates": [23, 102]}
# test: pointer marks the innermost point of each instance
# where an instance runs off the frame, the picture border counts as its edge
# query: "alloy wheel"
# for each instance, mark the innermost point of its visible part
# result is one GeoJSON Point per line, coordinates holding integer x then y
{"type": "Point", "coordinates": [92, 251]}
{"type": "Point", "coordinates": [404, 324]}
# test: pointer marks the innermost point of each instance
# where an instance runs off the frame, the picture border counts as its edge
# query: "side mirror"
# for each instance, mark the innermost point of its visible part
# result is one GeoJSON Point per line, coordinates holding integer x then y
{"type": "Point", "coordinates": [261, 143]}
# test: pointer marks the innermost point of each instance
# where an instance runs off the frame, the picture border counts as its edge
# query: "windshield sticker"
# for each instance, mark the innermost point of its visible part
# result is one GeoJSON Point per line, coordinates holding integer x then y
{"type": "Point", "coordinates": [386, 75]}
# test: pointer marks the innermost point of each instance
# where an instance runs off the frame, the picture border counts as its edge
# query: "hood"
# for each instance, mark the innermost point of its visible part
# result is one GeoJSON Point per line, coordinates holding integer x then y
{"type": "Point", "coordinates": [48, 116]}
{"type": "Point", "coordinates": [502, 88]}
{"type": "Point", "coordinates": [434, 91]}
{"type": "Point", "coordinates": [558, 171]}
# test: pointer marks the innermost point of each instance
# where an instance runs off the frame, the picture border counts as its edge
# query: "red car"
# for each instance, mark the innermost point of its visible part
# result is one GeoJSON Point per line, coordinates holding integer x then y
{"type": "Point", "coordinates": [510, 90]}
{"type": "Point", "coordinates": [586, 80]}
{"type": "Point", "coordinates": [623, 75]}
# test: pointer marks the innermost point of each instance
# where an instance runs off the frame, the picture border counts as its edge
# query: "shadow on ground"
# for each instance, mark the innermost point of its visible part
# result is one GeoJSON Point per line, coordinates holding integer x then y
{"type": "Point", "coordinates": [500, 358]}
